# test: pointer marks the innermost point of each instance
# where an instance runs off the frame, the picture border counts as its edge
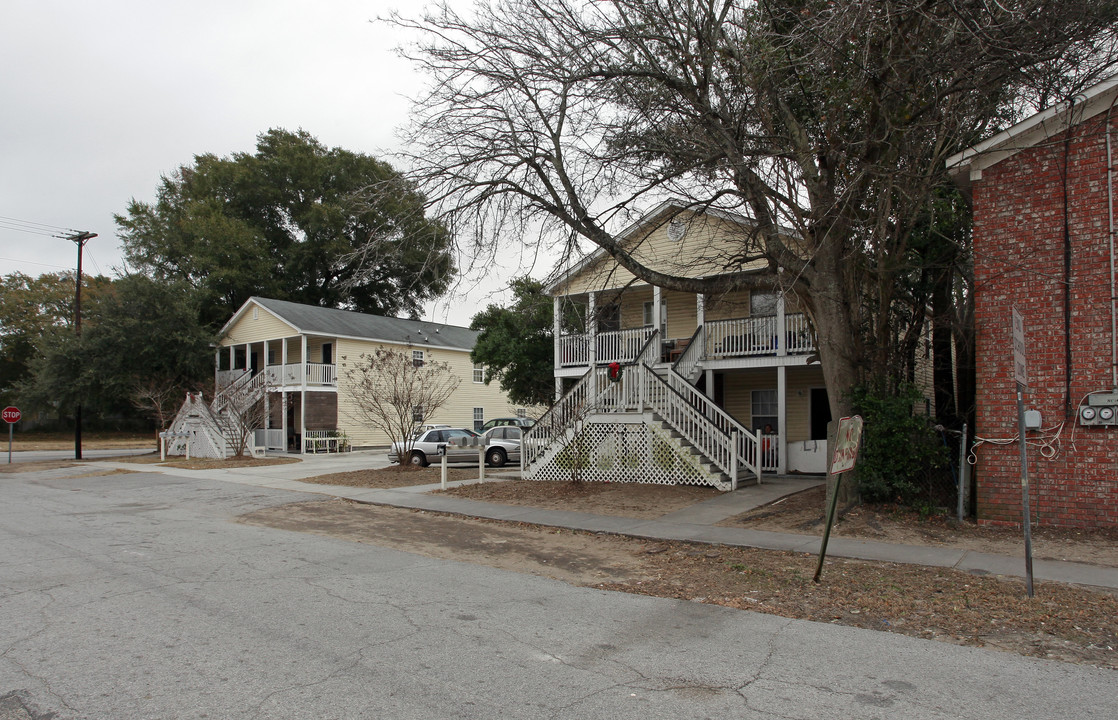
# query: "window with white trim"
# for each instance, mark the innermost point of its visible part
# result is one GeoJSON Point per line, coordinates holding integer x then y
{"type": "Point", "coordinates": [417, 358]}
{"type": "Point", "coordinates": [417, 414]}
{"type": "Point", "coordinates": [522, 412]}
{"type": "Point", "coordinates": [479, 418]}
{"type": "Point", "coordinates": [479, 373]}
{"type": "Point", "coordinates": [765, 407]}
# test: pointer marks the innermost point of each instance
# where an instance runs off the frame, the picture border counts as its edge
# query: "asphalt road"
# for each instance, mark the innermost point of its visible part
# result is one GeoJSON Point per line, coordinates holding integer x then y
{"type": "Point", "coordinates": [139, 596]}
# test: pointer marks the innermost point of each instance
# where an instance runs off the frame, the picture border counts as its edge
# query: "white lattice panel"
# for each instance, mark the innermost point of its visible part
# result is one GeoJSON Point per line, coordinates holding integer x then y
{"type": "Point", "coordinates": [623, 452]}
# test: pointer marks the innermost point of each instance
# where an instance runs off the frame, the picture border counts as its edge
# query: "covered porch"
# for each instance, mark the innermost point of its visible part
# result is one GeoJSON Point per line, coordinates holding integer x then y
{"type": "Point", "coordinates": [301, 380]}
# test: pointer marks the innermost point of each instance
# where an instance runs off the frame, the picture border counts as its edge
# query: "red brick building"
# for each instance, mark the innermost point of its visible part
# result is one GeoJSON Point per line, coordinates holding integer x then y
{"type": "Point", "coordinates": [1044, 201]}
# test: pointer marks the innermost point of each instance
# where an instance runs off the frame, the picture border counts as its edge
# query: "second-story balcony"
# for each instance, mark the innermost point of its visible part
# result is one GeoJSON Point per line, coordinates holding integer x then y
{"type": "Point", "coordinates": [724, 340]}
{"type": "Point", "coordinates": [317, 374]}
{"type": "Point", "coordinates": [289, 375]}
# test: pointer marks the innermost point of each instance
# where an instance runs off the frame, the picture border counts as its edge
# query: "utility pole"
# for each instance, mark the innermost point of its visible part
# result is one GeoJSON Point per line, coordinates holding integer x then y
{"type": "Point", "coordinates": [80, 239]}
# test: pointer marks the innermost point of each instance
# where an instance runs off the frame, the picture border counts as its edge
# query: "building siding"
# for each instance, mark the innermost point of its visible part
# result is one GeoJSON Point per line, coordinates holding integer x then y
{"type": "Point", "coordinates": [457, 412]}
{"type": "Point", "coordinates": [265, 326]}
{"type": "Point", "coordinates": [1019, 261]}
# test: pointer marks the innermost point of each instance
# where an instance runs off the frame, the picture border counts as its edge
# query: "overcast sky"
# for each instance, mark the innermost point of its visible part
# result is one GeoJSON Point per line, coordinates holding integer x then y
{"type": "Point", "coordinates": [102, 98]}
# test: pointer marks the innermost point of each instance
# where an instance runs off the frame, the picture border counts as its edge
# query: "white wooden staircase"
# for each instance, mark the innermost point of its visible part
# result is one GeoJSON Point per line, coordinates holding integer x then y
{"type": "Point", "coordinates": [649, 426]}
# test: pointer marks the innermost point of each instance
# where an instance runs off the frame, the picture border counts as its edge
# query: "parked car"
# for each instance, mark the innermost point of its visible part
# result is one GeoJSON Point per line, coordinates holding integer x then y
{"type": "Point", "coordinates": [427, 444]}
{"type": "Point", "coordinates": [500, 422]}
{"type": "Point", "coordinates": [428, 426]}
{"type": "Point", "coordinates": [502, 444]}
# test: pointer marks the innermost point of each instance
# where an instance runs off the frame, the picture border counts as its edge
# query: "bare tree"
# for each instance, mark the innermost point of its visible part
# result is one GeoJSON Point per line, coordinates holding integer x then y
{"type": "Point", "coordinates": [829, 118]}
{"type": "Point", "coordinates": [159, 399]}
{"type": "Point", "coordinates": [392, 391]}
{"type": "Point", "coordinates": [241, 420]}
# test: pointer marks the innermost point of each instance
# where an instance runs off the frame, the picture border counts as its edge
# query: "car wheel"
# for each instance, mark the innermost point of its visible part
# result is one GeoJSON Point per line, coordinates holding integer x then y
{"type": "Point", "coordinates": [495, 457]}
{"type": "Point", "coordinates": [418, 459]}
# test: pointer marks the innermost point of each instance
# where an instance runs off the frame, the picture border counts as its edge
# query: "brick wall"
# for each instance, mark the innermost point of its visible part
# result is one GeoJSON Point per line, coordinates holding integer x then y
{"type": "Point", "coordinates": [1019, 260]}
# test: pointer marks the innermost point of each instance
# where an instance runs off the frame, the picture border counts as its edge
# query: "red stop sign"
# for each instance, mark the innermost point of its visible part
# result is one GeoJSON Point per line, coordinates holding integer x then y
{"type": "Point", "coordinates": [12, 414]}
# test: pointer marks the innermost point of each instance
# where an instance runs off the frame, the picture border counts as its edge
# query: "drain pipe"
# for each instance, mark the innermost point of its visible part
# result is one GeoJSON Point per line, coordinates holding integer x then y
{"type": "Point", "coordinates": [1113, 285]}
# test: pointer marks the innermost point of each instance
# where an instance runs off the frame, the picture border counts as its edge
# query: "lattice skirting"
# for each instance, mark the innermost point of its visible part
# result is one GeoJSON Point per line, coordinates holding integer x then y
{"type": "Point", "coordinates": [622, 452]}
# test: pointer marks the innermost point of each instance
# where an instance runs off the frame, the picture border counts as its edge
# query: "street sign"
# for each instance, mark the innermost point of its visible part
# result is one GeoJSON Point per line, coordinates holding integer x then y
{"type": "Point", "coordinates": [1020, 361]}
{"type": "Point", "coordinates": [11, 416]}
{"type": "Point", "coordinates": [847, 441]}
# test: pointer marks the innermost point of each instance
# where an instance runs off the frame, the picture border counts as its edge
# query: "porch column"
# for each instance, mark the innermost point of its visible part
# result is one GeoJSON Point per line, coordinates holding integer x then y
{"type": "Point", "coordinates": [303, 398]}
{"type": "Point", "coordinates": [232, 357]}
{"type": "Point", "coordinates": [700, 309]}
{"type": "Point", "coordinates": [781, 420]}
{"type": "Point", "coordinates": [657, 311]}
{"type": "Point", "coordinates": [556, 329]}
{"type": "Point", "coordinates": [592, 328]}
{"type": "Point", "coordinates": [558, 389]}
{"type": "Point", "coordinates": [217, 369]}
{"type": "Point", "coordinates": [283, 390]}
{"type": "Point", "coordinates": [781, 327]}
{"type": "Point", "coordinates": [709, 384]}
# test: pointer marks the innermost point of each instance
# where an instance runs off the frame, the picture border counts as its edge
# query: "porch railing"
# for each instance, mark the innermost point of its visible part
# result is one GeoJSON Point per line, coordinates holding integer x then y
{"type": "Point", "coordinates": [325, 441]}
{"type": "Point", "coordinates": [742, 337]}
{"type": "Point", "coordinates": [613, 346]}
{"type": "Point", "coordinates": [292, 374]}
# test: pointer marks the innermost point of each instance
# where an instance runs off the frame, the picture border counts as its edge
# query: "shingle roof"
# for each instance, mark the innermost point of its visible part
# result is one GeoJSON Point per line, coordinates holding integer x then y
{"type": "Point", "coordinates": [312, 320]}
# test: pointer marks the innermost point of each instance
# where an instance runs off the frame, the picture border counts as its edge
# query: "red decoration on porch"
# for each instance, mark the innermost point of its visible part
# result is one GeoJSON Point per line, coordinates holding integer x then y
{"type": "Point", "coordinates": [614, 371]}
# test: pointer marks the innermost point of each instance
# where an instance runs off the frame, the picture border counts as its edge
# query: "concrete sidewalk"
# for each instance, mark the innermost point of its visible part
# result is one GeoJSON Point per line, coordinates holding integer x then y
{"type": "Point", "coordinates": [693, 524]}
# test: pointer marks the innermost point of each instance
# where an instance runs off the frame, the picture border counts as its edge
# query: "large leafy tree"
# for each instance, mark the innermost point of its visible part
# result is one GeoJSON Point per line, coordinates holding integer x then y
{"type": "Point", "coordinates": [30, 307]}
{"type": "Point", "coordinates": [832, 118]}
{"type": "Point", "coordinates": [142, 340]}
{"type": "Point", "coordinates": [296, 221]}
{"type": "Point", "coordinates": [516, 344]}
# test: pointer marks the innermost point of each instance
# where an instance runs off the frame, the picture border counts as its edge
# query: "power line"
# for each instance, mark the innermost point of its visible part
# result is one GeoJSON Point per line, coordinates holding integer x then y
{"type": "Point", "coordinates": [36, 226]}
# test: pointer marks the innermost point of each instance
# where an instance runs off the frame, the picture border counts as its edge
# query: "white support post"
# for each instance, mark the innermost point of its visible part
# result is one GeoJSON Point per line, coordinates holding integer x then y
{"type": "Point", "coordinates": [303, 398]}
{"type": "Point", "coordinates": [592, 328]}
{"type": "Point", "coordinates": [283, 390]}
{"type": "Point", "coordinates": [217, 369]}
{"type": "Point", "coordinates": [734, 459]}
{"type": "Point", "coordinates": [781, 327]}
{"type": "Point", "coordinates": [481, 462]}
{"type": "Point", "coordinates": [162, 448]}
{"type": "Point", "coordinates": [657, 314]}
{"type": "Point", "coordinates": [557, 330]}
{"type": "Point", "coordinates": [442, 465]}
{"type": "Point", "coordinates": [710, 384]}
{"type": "Point", "coordinates": [558, 389]}
{"type": "Point", "coordinates": [781, 419]}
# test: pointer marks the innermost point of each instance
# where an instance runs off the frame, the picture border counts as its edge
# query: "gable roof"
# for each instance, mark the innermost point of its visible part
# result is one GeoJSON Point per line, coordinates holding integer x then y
{"type": "Point", "coordinates": [313, 320]}
{"type": "Point", "coordinates": [655, 217]}
{"type": "Point", "coordinates": [968, 165]}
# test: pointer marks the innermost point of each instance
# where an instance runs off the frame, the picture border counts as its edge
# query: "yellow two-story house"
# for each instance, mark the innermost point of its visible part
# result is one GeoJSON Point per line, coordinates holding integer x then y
{"type": "Point", "coordinates": [741, 364]}
{"type": "Point", "coordinates": [300, 355]}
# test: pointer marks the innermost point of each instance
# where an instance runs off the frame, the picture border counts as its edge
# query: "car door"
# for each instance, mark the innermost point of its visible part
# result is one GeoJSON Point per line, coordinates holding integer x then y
{"type": "Point", "coordinates": [456, 452]}
{"type": "Point", "coordinates": [512, 438]}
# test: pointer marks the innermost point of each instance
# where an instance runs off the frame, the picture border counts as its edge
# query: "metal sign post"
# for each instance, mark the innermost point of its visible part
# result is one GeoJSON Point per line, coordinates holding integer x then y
{"type": "Point", "coordinates": [1021, 378]}
{"type": "Point", "coordinates": [11, 416]}
{"type": "Point", "coordinates": [848, 440]}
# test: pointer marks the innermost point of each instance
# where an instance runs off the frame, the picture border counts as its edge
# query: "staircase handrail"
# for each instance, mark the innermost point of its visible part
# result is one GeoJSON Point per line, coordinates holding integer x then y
{"type": "Point", "coordinates": [672, 406]}
{"type": "Point", "coordinates": [748, 443]}
{"type": "Point", "coordinates": [692, 354]}
{"type": "Point", "coordinates": [239, 389]}
{"type": "Point", "coordinates": [570, 408]}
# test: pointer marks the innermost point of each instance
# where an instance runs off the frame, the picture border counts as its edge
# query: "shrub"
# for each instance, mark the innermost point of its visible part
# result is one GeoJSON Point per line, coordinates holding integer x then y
{"type": "Point", "coordinates": [902, 458]}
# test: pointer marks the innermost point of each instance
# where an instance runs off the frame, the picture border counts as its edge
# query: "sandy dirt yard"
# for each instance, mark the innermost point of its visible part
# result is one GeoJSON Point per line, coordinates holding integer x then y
{"type": "Point", "coordinates": [1062, 622]}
